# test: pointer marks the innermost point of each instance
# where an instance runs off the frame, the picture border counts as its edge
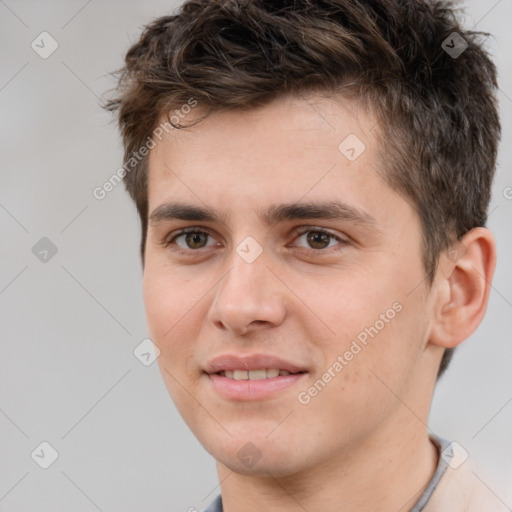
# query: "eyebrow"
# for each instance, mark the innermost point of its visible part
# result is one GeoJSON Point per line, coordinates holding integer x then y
{"type": "Point", "coordinates": [274, 214]}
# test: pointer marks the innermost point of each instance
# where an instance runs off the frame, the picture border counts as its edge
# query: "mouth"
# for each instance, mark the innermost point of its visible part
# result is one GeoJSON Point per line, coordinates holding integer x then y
{"type": "Point", "coordinates": [252, 377]}
{"type": "Point", "coordinates": [270, 373]}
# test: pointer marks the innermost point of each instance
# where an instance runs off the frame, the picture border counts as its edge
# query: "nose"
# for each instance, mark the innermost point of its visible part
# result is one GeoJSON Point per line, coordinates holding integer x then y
{"type": "Point", "coordinates": [249, 297]}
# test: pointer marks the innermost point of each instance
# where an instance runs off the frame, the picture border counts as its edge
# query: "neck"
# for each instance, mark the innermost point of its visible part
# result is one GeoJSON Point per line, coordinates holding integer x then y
{"type": "Point", "coordinates": [387, 472]}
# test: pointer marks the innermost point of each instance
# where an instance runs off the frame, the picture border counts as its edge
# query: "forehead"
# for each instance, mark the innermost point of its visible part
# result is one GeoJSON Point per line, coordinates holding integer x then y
{"type": "Point", "coordinates": [311, 148]}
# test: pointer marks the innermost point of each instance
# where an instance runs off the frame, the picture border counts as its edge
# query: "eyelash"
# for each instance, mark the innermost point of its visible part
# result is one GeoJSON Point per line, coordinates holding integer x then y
{"type": "Point", "coordinates": [170, 241]}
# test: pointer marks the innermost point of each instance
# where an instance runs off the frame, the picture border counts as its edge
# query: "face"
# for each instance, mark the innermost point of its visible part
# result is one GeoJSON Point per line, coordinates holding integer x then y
{"type": "Point", "coordinates": [298, 301]}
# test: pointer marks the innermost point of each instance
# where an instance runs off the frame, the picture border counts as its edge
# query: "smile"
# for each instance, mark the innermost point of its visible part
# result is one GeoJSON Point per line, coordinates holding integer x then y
{"type": "Point", "coordinates": [265, 373]}
{"type": "Point", "coordinates": [252, 377]}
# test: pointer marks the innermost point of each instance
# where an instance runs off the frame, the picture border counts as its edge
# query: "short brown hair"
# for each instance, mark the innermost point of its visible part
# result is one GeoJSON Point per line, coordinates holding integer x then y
{"type": "Point", "coordinates": [438, 124]}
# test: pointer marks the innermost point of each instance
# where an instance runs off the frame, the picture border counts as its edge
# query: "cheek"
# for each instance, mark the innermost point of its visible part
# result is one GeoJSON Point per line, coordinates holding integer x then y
{"type": "Point", "coordinates": [171, 325]}
{"type": "Point", "coordinates": [378, 334]}
{"type": "Point", "coordinates": [350, 308]}
{"type": "Point", "coordinates": [166, 299]}
{"type": "Point", "coordinates": [168, 313]}
{"type": "Point", "coordinates": [158, 303]}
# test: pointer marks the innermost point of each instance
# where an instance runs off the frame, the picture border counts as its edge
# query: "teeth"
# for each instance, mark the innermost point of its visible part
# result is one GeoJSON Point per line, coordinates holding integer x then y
{"type": "Point", "coordinates": [241, 375]}
{"type": "Point", "coordinates": [257, 374]}
{"type": "Point", "coordinates": [254, 374]}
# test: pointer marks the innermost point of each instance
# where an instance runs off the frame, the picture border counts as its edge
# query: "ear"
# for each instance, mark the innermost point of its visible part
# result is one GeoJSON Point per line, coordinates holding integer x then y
{"type": "Point", "coordinates": [463, 285]}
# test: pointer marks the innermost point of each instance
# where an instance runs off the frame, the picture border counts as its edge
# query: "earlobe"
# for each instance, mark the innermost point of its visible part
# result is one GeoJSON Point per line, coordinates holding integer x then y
{"type": "Point", "coordinates": [463, 284]}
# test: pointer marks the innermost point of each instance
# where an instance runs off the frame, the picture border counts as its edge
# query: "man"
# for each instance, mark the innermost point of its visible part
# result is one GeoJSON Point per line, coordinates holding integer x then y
{"type": "Point", "coordinates": [313, 180]}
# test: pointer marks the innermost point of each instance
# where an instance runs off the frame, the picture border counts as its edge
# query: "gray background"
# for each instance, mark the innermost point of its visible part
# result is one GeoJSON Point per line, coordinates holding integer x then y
{"type": "Point", "coordinates": [69, 326]}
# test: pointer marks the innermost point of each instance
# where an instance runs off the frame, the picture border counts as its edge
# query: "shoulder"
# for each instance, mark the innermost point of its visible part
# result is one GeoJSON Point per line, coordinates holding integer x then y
{"type": "Point", "coordinates": [462, 489]}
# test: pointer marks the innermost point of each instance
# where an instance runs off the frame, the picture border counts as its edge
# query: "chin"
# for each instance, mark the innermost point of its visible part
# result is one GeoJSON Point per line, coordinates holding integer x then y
{"type": "Point", "coordinates": [267, 465]}
{"type": "Point", "coordinates": [254, 455]}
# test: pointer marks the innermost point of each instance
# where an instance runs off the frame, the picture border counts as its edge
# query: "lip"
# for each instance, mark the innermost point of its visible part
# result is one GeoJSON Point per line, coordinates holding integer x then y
{"type": "Point", "coordinates": [251, 390]}
{"type": "Point", "coordinates": [250, 362]}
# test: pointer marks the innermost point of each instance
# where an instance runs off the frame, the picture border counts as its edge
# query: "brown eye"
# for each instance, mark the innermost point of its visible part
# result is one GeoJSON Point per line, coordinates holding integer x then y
{"type": "Point", "coordinates": [319, 239]}
{"type": "Point", "coordinates": [191, 239]}
{"type": "Point", "coordinates": [196, 240]}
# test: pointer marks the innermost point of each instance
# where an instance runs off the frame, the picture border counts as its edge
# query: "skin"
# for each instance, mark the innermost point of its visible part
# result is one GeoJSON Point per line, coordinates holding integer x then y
{"type": "Point", "coordinates": [362, 441]}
